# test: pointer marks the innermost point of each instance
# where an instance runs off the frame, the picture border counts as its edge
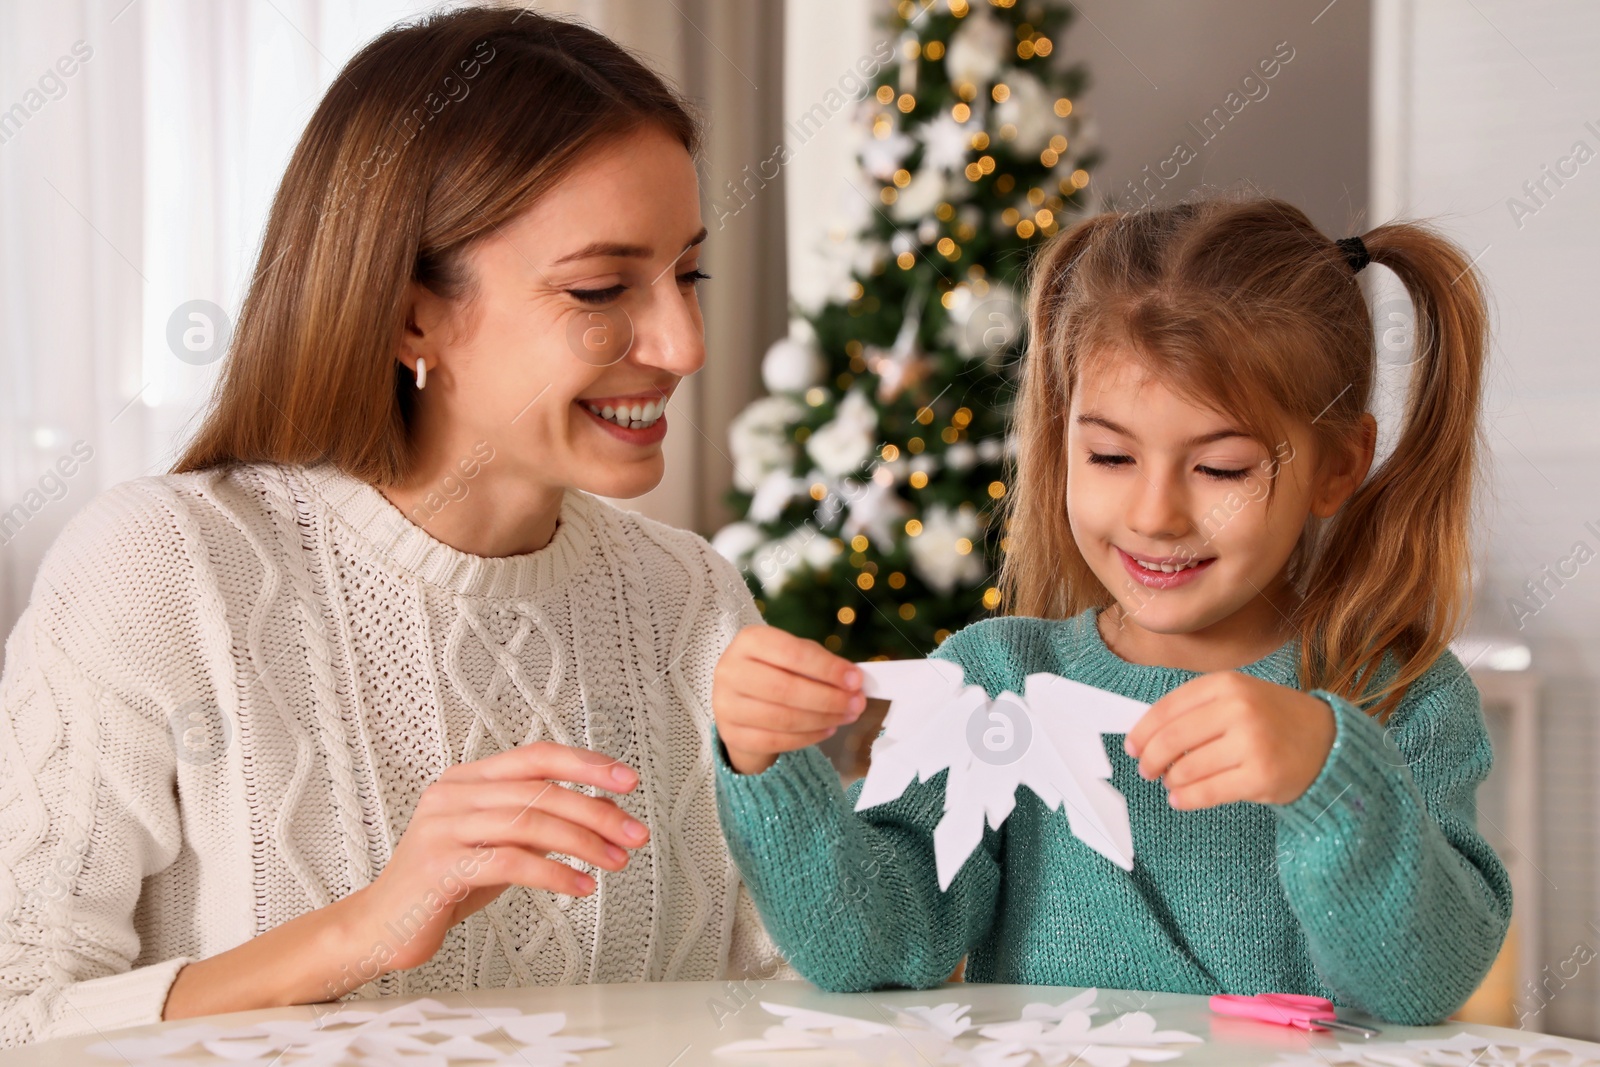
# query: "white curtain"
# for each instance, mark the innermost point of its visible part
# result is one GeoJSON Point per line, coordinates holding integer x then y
{"type": "Point", "coordinates": [140, 145]}
{"type": "Point", "coordinates": [71, 270]}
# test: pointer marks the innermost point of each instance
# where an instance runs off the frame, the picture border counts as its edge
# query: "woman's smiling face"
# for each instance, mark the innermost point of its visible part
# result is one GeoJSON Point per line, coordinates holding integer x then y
{"type": "Point", "coordinates": [1168, 502]}
{"type": "Point", "coordinates": [584, 305]}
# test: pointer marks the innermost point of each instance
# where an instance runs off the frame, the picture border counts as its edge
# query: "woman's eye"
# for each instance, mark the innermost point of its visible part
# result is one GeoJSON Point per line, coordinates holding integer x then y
{"type": "Point", "coordinates": [1104, 459]}
{"type": "Point", "coordinates": [598, 296]}
{"type": "Point", "coordinates": [605, 296]}
{"type": "Point", "coordinates": [1223, 475]}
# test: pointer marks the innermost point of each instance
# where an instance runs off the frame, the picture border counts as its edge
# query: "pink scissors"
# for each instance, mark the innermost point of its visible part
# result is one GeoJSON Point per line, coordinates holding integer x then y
{"type": "Point", "coordinates": [1288, 1009]}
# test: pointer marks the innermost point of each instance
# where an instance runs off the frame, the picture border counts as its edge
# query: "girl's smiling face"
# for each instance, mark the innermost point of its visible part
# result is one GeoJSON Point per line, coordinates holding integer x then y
{"type": "Point", "coordinates": [1168, 501]}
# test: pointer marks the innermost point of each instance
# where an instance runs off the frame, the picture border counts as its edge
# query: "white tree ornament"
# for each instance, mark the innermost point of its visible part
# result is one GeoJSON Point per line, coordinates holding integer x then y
{"type": "Point", "coordinates": [945, 553]}
{"type": "Point", "coordinates": [978, 50]}
{"type": "Point", "coordinates": [792, 365]}
{"type": "Point", "coordinates": [843, 444]}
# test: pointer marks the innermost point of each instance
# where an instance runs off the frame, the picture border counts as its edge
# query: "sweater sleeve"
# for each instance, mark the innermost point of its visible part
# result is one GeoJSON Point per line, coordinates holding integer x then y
{"type": "Point", "coordinates": [89, 804]}
{"type": "Point", "coordinates": [1403, 904]}
{"type": "Point", "coordinates": [852, 898]}
{"type": "Point", "coordinates": [87, 811]}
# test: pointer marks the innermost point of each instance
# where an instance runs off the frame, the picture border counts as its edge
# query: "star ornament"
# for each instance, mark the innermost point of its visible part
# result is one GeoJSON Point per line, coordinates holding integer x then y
{"type": "Point", "coordinates": [1048, 739]}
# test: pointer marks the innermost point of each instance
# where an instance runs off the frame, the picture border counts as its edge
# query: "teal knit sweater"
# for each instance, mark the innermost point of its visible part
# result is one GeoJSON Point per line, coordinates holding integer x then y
{"type": "Point", "coordinates": [1373, 888]}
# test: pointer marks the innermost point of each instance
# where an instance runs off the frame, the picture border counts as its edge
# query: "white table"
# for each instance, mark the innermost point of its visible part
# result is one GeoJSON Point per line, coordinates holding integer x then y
{"type": "Point", "coordinates": [675, 1024]}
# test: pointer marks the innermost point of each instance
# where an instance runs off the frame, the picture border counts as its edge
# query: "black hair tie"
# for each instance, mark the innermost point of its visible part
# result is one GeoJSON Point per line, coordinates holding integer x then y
{"type": "Point", "coordinates": [1355, 252]}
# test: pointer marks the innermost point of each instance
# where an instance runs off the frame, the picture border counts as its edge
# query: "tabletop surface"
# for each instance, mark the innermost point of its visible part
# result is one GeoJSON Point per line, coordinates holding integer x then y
{"type": "Point", "coordinates": [674, 1024]}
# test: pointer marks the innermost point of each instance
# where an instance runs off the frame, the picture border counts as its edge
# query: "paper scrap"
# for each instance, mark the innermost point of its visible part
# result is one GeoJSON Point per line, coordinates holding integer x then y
{"type": "Point", "coordinates": [1048, 740]}
{"type": "Point", "coordinates": [424, 1033]}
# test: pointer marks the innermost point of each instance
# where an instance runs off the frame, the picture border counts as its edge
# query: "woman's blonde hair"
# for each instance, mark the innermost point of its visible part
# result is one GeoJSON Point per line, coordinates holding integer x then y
{"type": "Point", "coordinates": [434, 135]}
{"type": "Point", "coordinates": [1244, 304]}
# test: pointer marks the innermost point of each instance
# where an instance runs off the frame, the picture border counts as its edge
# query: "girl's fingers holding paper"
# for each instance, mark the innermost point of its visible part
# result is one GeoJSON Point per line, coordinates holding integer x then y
{"type": "Point", "coordinates": [756, 714]}
{"type": "Point", "coordinates": [783, 688]}
{"type": "Point", "coordinates": [1179, 734]}
{"type": "Point", "coordinates": [798, 655]}
{"type": "Point", "coordinates": [1176, 704]}
{"type": "Point", "coordinates": [1200, 763]}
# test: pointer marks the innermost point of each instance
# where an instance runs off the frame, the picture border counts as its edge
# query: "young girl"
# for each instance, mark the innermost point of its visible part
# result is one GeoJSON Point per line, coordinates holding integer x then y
{"type": "Point", "coordinates": [1192, 525]}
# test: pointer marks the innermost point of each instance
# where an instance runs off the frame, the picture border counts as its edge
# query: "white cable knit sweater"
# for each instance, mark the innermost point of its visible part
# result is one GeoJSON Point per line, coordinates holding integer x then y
{"type": "Point", "coordinates": [230, 688]}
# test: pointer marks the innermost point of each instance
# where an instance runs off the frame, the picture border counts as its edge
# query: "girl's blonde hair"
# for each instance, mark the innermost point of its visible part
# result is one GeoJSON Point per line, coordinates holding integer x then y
{"type": "Point", "coordinates": [1242, 302]}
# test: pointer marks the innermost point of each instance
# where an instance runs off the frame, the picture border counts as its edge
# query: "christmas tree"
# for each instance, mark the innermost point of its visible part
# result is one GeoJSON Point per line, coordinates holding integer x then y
{"type": "Point", "coordinates": [869, 479]}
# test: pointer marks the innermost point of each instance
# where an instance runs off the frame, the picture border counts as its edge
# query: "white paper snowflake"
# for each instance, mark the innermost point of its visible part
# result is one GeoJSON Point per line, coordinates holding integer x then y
{"type": "Point", "coordinates": [1462, 1049]}
{"type": "Point", "coordinates": [1048, 739]}
{"type": "Point", "coordinates": [423, 1033]}
{"type": "Point", "coordinates": [942, 1034]}
{"type": "Point", "coordinates": [874, 1042]}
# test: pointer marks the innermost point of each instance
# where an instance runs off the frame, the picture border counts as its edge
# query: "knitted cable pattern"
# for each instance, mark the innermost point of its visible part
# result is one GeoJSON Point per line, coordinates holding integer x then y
{"type": "Point", "coordinates": [230, 688]}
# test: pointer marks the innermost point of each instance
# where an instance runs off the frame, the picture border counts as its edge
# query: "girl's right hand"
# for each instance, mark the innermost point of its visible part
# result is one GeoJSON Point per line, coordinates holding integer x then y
{"type": "Point", "coordinates": [774, 692]}
{"type": "Point", "coordinates": [482, 827]}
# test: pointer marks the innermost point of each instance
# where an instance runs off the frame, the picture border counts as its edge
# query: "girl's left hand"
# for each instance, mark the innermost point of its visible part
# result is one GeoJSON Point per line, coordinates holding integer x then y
{"type": "Point", "coordinates": [1228, 736]}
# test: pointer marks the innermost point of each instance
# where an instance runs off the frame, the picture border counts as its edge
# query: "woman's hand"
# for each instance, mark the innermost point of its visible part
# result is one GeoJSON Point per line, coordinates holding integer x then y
{"type": "Point", "coordinates": [1227, 736]}
{"type": "Point", "coordinates": [774, 692]}
{"type": "Point", "coordinates": [484, 826]}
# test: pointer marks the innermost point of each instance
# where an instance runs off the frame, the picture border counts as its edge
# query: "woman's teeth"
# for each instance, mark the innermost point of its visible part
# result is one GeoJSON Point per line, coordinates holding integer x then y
{"type": "Point", "coordinates": [1168, 568]}
{"type": "Point", "coordinates": [635, 416]}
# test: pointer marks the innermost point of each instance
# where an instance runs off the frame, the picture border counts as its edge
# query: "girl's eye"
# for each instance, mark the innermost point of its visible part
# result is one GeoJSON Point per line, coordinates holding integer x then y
{"type": "Point", "coordinates": [598, 296]}
{"type": "Point", "coordinates": [1224, 475]}
{"type": "Point", "coordinates": [693, 277]}
{"type": "Point", "coordinates": [1101, 459]}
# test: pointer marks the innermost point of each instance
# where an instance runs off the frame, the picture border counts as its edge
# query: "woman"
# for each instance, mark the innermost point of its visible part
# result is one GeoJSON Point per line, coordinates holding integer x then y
{"type": "Point", "coordinates": [289, 721]}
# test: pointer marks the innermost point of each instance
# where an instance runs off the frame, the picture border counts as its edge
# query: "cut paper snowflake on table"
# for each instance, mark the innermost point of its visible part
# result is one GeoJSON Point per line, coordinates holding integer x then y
{"type": "Point", "coordinates": [1127, 1039]}
{"type": "Point", "coordinates": [1460, 1050]}
{"type": "Point", "coordinates": [1049, 740]}
{"type": "Point", "coordinates": [912, 1038]}
{"type": "Point", "coordinates": [1048, 1033]}
{"type": "Point", "coordinates": [423, 1033]}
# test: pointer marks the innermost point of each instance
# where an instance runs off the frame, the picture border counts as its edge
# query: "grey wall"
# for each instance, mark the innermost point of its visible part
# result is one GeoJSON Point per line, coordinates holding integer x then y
{"type": "Point", "coordinates": [1159, 65]}
{"type": "Point", "coordinates": [1479, 115]}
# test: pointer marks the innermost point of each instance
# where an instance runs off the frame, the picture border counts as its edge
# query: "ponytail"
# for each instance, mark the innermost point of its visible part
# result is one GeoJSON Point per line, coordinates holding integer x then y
{"type": "Point", "coordinates": [1392, 572]}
